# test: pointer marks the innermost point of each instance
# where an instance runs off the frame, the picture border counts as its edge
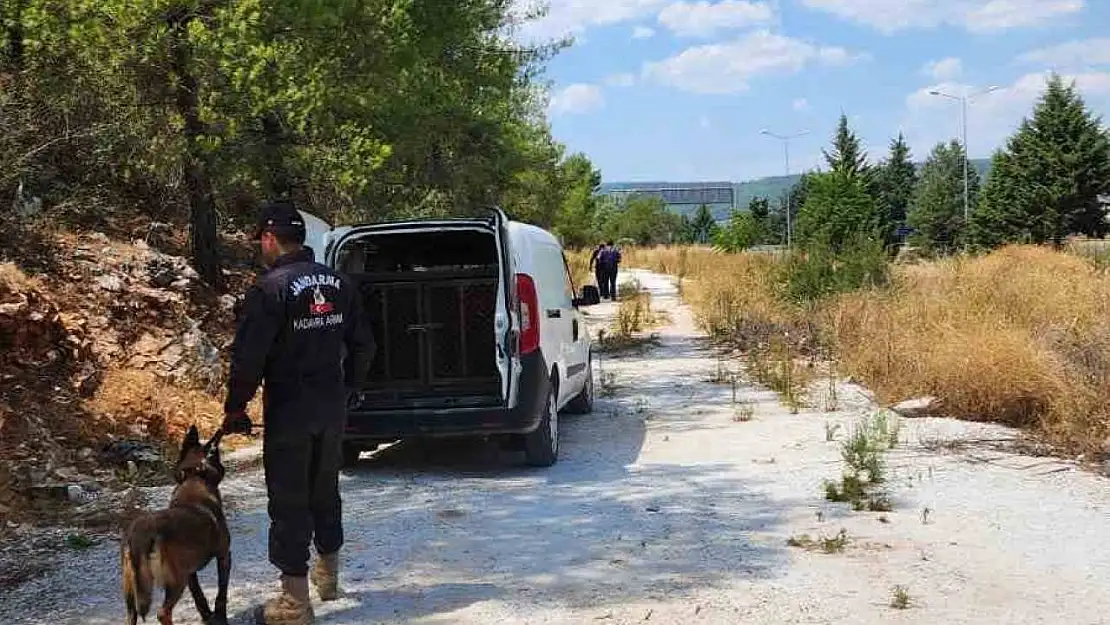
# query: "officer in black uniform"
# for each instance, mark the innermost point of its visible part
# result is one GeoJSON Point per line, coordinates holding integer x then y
{"type": "Point", "coordinates": [301, 331]}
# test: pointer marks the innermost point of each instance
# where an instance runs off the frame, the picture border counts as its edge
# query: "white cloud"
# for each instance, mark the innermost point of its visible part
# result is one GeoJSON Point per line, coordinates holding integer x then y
{"type": "Point", "coordinates": [973, 15]}
{"type": "Point", "coordinates": [727, 67]}
{"type": "Point", "coordinates": [703, 18]}
{"type": "Point", "coordinates": [643, 32]}
{"type": "Point", "coordinates": [800, 105]}
{"type": "Point", "coordinates": [577, 99]}
{"type": "Point", "coordinates": [1081, 53]}
{"type": "Point", "coordinates": [620, 80]}
{"type": "Point", "coordinates": [573, 17]}
{"type": "Point", "coordinates": [992, 117]}
{"type": "Point", "coordinates": [943, 69]}
{"type": "Point", "coordinates": [999, 15]}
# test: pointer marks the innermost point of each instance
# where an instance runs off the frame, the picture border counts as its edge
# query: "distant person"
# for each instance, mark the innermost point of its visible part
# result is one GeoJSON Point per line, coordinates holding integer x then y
{"type": "Point", "coordinates": [599, 274]}
{"type": "Point", "coordinates": [609, 261]}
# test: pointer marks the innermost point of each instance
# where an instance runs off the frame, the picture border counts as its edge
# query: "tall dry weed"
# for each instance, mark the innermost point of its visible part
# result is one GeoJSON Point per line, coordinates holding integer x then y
{"type": "Point", "coordinates": [578, 263]}
{"type": "Point", "coordinates": [1021, 336]}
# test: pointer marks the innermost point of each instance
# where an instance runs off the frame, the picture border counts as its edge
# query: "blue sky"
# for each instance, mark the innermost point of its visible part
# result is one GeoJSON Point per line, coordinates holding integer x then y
{"type": "Point", "coordinates": [680, 89]}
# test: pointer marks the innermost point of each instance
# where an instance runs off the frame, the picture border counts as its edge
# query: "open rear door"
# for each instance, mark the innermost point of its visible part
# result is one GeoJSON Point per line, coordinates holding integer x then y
{"type": "Point", "coordinates": [318, 234]}
{"type": "Point", "coordinates": [445, 333]}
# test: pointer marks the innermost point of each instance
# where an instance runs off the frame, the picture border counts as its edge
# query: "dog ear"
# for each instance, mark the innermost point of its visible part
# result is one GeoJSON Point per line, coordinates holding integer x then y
{"type": "Point", "coordinates": [213, 443]}
{"type": "Point", "coordinates": [192, 438]}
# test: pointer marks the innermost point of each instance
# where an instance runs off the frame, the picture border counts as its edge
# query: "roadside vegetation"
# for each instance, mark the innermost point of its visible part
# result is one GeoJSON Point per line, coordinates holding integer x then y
{"type": "Point", "coordinates": [1005, 319]}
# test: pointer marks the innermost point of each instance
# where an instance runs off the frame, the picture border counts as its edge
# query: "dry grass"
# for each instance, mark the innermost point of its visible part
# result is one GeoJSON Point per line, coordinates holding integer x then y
{"type": "Point", "coordinates": [826, 544]}
{"type": "Point", "coordinates": [1020, 336]}
{"type": "Point", "coordinates": [900, 598]}
{"type": "Point", "coordinates": [578, 262]}
{"type": "Point", "coordinates": [132, 402]}
{"type": "Point", "coordinates": [634, 312]}
{"type": "Point", "coordinates": [634, 317]}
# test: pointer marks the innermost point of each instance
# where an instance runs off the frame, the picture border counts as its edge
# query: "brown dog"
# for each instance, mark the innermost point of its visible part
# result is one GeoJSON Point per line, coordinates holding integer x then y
{"type": "Point", "coordinates": [169, 546]}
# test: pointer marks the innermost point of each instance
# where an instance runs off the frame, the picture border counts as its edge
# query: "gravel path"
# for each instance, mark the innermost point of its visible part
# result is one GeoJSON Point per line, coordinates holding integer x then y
{"type": "Point", "coordinates": [663, 508]}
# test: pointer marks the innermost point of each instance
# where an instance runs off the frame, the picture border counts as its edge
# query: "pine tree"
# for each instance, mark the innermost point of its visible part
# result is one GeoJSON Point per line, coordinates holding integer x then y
{"type": "Point", "coordinates": [838, 212]}
{"type": "Point", "coordinates": [994, 221]}
{"type": "Point", "coordinates": [1046, 184]}
{"type": "Point", "coordinates": [847, 155]}
{"type": "Point", "coordinates": [895, 182]}
{"type": "Point", "coordinates": [759, 207]}
{"type": "Point", "coordinates": [937, 206]}
{"type": "Point", "coordinates": [703, 226]}
{"type": "Point", "coordinates": [795, 198]}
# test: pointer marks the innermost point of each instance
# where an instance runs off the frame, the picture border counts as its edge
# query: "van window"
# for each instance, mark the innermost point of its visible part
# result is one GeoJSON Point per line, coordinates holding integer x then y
{"type": "Point", "coordinates": [422, 251]}
{"type": "Point", "coordinates": [552, 272]}
{"type": "Point", "coordinates": [570, 286]}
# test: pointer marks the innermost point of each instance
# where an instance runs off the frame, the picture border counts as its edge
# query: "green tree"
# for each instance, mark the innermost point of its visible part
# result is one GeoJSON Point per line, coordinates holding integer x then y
{"type": "Point", "coordinates": [937, 206]}
{"type": "Point", "coordinates": [760, 208]}
{"type": "Point", "coordinates": [847, 155]}
{"type": "Point", "coordinates": [1047, 181]}
{"type": "Point", "coordinates": [643, 219]}
{"type": "Point", "coordinates": [358, 110]}
{"type": "Point", "coordinates": [703, 227]}
{"type": "Point", "coordinates": [579, 181]}
{"type": "Point", "coordinates": [741, 231]}
{"type": "Point", "coordinates": [838, 210]}
{"type": "Point", "coordinates": [795, 197]}
{"type": "Point", "coordinates": [895, 180]}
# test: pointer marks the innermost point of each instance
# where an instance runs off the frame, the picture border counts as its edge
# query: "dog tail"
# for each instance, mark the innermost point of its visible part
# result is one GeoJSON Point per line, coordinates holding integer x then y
{"type": "Point", "coordinates": [138, 578]}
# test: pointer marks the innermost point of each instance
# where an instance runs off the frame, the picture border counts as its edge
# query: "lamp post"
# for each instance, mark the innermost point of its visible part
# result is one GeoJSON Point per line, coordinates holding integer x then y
{"type": "Point", "coordinates": [963, 100]}
{"type": "Point", "coordinates": [786, 153]}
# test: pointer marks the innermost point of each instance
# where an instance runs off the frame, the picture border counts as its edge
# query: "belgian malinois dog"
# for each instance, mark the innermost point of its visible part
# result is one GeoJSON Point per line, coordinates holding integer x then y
{"type": "Point", "coordinates": [168, 547]}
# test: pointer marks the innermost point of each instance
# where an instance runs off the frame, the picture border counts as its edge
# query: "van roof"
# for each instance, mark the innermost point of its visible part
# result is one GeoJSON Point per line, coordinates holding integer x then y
{"type": "Point", "coordinates": [529, 231]}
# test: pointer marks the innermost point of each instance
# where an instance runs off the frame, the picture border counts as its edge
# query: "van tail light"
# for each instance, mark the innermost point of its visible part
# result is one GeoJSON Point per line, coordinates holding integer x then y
{"type": "Point", "coordinates": [529, 313]}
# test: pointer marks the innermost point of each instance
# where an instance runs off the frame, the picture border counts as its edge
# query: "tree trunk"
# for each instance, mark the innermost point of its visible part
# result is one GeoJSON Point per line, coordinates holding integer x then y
{"type": "Point", "coordinates": [279, 184]}
{"type": "Point", "coordinates": [204, 236]}
{"type": "Point", "coordinates": [15, 37]}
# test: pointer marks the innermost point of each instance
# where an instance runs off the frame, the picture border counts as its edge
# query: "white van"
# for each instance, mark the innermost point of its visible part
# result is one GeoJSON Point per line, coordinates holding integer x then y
{"type": "Point", "coordinates": [477, 326]}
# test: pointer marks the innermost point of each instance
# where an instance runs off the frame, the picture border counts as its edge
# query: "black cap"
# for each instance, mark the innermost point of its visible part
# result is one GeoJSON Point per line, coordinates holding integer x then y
{"type": "Point", "coordinates": [280, 217]}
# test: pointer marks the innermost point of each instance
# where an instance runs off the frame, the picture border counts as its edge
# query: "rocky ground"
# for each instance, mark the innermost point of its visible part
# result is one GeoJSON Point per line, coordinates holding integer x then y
{"type": "Point", "coordinates": [109, 347]}
{"type": "Point", "coordinates": [675, 502]}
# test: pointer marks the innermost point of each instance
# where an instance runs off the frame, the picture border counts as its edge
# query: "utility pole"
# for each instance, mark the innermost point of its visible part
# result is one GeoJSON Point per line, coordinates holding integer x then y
{"type": "Point", "coordinates": [789, 196]}
{"type": "Point", "coordinates": [963, 100]}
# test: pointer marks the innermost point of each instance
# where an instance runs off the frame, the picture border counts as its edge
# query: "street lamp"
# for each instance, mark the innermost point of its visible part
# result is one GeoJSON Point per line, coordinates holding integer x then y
{"type": "Point", "coordinates": [786, 153]}
{"type": "Point", "coordinates": [963, 100]}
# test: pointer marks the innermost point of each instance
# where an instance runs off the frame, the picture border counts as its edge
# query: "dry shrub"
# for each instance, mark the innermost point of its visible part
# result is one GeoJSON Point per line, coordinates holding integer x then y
{"type": "Point", "coordinates": [578, 262]}
{"type": "Point", "coordinates": [137, 403]}
{"type": "Point", "coordinates": [634, 312]}
{"type": "Point", "coordinates": [1021, 336]}
{"type": "Point", "coordinates": [734, 299]}
{"type": "Point", "coordinates": [680, 261]}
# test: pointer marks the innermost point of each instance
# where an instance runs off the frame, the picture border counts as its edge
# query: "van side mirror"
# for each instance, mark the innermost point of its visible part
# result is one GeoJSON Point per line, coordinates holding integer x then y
{"type": "Point", "coordinates": [590, 296]}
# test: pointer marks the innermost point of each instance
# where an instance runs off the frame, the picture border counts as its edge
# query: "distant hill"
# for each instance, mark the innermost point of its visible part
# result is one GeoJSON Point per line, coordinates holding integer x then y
{"type": "Point", "coordinates": [771, 187]}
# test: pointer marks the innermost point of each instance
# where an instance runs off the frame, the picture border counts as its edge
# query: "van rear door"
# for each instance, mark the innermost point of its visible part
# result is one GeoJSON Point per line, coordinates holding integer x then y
{"type": "Point", "coordinates": [422, 315]}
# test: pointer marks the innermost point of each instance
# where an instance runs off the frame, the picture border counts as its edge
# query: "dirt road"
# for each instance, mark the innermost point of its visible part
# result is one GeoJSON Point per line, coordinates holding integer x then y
{"type": "Point", "coordinates": [666, 509]}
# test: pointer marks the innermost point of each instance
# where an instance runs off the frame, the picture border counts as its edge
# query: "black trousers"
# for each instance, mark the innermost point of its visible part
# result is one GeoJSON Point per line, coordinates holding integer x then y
{"type": "Point", "coordinates": [610, 288]}
{"type": "Point", "coordinates": [602, 282]}
{"type": "Point", "coordinates": [302, 481]}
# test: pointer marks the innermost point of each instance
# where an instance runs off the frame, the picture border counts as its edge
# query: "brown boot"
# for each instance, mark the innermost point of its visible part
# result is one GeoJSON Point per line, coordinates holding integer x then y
{"type": "Point", "coordinates": [291, 607]}
{"type": "Point", "coordinates": [325, 576]}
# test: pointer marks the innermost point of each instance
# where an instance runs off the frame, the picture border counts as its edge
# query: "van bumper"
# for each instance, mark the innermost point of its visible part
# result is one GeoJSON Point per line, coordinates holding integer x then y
{"type": "Point", "coordinates": [393, 424]}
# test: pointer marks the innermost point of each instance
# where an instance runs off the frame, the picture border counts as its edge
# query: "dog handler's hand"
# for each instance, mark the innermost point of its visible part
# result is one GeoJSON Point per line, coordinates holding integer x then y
{"type": "Point", "coordinates": [237, 423]}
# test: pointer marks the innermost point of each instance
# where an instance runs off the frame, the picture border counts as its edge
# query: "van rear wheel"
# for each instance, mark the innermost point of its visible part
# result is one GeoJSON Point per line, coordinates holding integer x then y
{"type": "Point", "coordinates": [583, 402]}
{"type": "Point", "coordinates": [541, 446]}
